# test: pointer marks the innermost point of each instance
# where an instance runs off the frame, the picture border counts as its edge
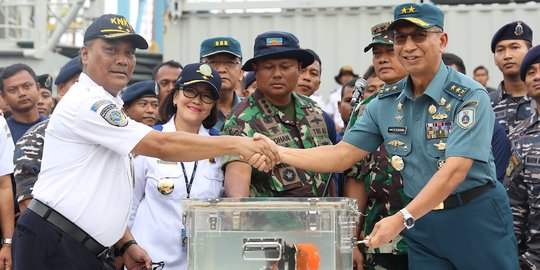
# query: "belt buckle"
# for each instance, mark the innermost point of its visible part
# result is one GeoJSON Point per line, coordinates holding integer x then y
{"type": "Point", "coordinates": [103, 254]}
{"type": "Point", "coordinates": [440, 206]}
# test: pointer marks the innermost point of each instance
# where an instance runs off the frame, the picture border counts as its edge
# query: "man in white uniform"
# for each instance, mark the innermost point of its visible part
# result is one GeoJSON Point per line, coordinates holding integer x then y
{"type": "Point", "coordinates": [6, 194]}
{"type": "Point", "coordinates": [84, 192]}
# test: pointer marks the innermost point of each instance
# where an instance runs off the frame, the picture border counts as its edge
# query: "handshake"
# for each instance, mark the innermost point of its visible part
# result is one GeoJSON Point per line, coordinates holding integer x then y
{"type": "Point", "coordinates": [260, 152]}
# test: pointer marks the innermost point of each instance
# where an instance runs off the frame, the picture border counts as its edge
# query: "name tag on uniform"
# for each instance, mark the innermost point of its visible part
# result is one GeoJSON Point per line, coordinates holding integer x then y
{"type": "Point", "coordinates": [397, 130]}
{"type": "Point", "coordinates": [532, 161]}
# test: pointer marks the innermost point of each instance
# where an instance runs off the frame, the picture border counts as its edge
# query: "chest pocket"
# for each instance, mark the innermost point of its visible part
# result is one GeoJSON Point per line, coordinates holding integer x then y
{"type": "Point", "coordinates": [398, 145]}
{"type": "Point", "coordinates": [436, 136]}
{"type": "Point", "coordinates": [167, 176]}
{"type": "Point", "coordinates": [213, 181]}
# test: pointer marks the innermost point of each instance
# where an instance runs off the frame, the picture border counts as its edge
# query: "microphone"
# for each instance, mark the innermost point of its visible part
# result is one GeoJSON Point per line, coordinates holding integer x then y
{"type": "Point", "coordinates": [358, 91]}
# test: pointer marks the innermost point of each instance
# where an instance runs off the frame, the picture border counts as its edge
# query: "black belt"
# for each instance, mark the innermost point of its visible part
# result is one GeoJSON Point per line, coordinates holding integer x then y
{"type": "Point", "coordinates": [65, 225]}
{"type": "Point", "coordinates": [459, 199]}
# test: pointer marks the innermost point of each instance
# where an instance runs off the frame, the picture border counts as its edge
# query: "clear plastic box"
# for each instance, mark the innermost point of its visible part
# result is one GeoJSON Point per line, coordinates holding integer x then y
{"type": "Point", "coordinates": [270, 233]}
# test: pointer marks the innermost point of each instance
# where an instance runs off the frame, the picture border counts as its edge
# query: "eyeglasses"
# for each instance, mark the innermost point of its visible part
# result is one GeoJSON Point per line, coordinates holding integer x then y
{"type": "Point", "coordinates": [417, 36]}
{"type": "Point", "coordinates": [158, 265]}
{"type": "Point", "coordinates": [228, 63]}
{"type": "Point", "coordinates": [193, 93]}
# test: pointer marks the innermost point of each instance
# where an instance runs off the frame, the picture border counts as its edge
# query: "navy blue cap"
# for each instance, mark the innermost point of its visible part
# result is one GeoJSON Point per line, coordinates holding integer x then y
{"type": "Point", "coordinates": [513, 30]}
{"type": "Point", "coordinates": [139, 90]}
{"type": "Point", "coordinates": [45, 81]}
{"type": "Point", "coordinates": [532, 57]}
{"type": "Point", "coordinates": [276, 44]}
{"type": "Point", "coordinates": [111, 27]}
{"type": "Point", "coordinates": [200, 73]}
{"type": "Point", "coordinates": [217, 45]}
{"type": "Point", "coordinates": [422, 15]}
{"type": "Point", "coordinates": [69, 70]}
{"type": "Point", "coordinates": [250, 78]}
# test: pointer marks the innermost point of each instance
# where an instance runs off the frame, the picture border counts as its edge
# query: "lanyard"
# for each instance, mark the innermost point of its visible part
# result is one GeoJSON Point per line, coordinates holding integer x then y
{"type": "Point", "coordinates": [190, 183]}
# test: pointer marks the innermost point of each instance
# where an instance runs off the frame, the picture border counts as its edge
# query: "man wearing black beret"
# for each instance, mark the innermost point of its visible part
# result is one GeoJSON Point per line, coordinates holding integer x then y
{"type": "Point", "coordinates": [45, 102]}
{"type": "Point", "coordinates": [510, 102]}
{"type": "Point", "coordinates": [141, 102]}
{"type": "Point", "coordinates": [524, 168]}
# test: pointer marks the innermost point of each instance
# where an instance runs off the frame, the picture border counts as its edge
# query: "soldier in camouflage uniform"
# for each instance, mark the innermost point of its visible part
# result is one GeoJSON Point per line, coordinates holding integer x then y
{"type": "Point", "coordinates": [523, 172]}
{"type": "Point", "coordinates": [510, 102]}
{"type": "Point", "coordinates": [287, 118]}
{"type": "Point", "coordinates": [29, 148]}
{"type": "Point", "coordinates": [383, 185]}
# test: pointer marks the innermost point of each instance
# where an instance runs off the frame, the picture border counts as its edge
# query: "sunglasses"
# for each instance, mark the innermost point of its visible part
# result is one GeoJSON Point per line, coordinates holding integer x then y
{"type": "Point", "coordinates": [418, 36]}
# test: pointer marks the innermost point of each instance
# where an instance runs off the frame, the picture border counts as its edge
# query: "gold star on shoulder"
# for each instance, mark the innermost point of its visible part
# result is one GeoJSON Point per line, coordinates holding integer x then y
{"type": "Point", "coordinates": [394, 87]}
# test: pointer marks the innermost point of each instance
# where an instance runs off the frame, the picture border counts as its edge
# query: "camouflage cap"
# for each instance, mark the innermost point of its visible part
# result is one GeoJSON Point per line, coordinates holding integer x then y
{"type": "Point", "coordinates": [380, 35]}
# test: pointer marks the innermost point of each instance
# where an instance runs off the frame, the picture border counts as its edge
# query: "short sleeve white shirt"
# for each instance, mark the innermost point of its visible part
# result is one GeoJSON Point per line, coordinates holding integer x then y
{"type": "Point", "coordinates": [85, 171]}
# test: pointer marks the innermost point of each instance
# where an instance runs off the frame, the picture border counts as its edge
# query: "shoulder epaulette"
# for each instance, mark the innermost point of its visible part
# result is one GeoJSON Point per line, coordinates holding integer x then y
{"type": "Point", "coordinates": [390, 89]}
{"type": "Point", "coordinates": [457, 90]}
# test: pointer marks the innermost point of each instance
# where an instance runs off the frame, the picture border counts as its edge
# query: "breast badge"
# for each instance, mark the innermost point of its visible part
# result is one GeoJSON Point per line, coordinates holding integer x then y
{"type": "Point", "coordinates": [165, 186]}
{"type": "Point", "coordinates": [397, 163]}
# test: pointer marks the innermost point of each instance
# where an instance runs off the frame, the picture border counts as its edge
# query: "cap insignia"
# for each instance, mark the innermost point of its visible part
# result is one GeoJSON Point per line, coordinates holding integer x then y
{"type": "Point", "coordinates": [205, 70]}
{"type": "Point", "coordinates": [274, 41]}
{"type": "Point", "coordinates": [405, 10]}
{"type": "Point", "coordinates": [518, 31]}
{"type": "Point", "coordinates": [221, 43]}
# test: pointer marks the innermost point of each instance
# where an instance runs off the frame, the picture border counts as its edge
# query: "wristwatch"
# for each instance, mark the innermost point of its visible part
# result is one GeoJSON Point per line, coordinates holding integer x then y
{"type": "Point", "coordinates": [6, 241]}
{"type": "Point", "coordinates": [408, 219]}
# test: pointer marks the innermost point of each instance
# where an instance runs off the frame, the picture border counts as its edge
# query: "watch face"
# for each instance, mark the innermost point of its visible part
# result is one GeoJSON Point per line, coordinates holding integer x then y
{"type": "Point", "coordinates": [409, 222]}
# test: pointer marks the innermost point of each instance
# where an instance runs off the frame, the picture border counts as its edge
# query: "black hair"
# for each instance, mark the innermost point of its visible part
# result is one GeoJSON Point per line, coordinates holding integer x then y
{"type": "Point", "coordinates": [370, 72]}
{"type": "Point", "coordinates": [349, 84]}
{"type": "Point", "coordinates": [480, 67]}
{"type": "Point", "coordinates": [167, 110]}
{"type": "Point", "coordinates": [170, 63]}
{"type": "Point", "coordinates": [317, 58]}
{"type": "Point", "coordinates": [450, 59]}
{"type": "Point", "coordinates": [9, 71]}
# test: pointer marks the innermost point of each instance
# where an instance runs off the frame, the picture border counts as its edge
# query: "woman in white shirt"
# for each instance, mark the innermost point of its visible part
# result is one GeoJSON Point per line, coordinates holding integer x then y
{"type": "Point", "coordinates": [156, 216]}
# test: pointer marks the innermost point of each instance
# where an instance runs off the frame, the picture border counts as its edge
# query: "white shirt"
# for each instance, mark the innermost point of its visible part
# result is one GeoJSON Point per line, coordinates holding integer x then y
{"type": "Point", "coordinates": [317, 98]}
{"type": "Point", "coordinates": [6, 148]}
{"type": "Point", "coordinates": [85, 171]}
{"type": "Point", "coordinates": [157, 218]}
{"type": "Point", "coordinates": [332, 107]}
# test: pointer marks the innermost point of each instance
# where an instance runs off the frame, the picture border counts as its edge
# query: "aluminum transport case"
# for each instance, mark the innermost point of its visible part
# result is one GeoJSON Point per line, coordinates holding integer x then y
{"type": "Point", "coordinates": [270, 233]}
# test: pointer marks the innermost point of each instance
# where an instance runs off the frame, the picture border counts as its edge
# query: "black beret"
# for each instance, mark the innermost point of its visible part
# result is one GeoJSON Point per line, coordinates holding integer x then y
{"type": "Point", "coordinates": [69, 70]}
{"type": "Point", "coordinates": [532, 57]}
{"type": "Point", "coordinates": [513, 30]}
{"type": "Point", "coordinates": [141, 89]}
{"type": "Point", "coordinates": [250, 78]}
{"type": "Point", "coordinates": [45, 81]}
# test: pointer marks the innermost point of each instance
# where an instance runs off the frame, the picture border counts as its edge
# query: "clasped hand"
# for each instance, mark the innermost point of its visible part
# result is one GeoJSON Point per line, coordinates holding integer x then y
{"type": "Point", "coordinates": [260, 152]}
